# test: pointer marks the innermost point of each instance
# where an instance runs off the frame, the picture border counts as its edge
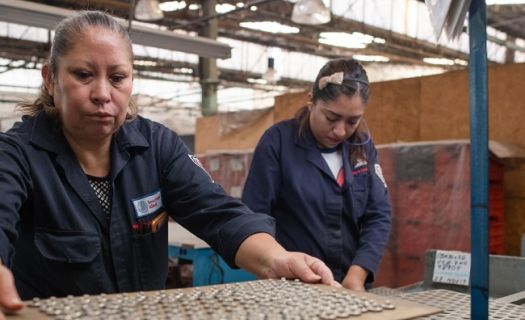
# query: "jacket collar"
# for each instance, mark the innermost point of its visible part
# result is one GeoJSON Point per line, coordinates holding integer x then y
{"type": "Point", "coordinates": [49, 136]}
{"type": "Point", "coordinates": [125, 141]}
{"type": "Point", "coordinates": [304, 139]}
{"type": "Point", "coordinates": [307, 142]}
{"type": "Point", "coordinates": [129, 137]}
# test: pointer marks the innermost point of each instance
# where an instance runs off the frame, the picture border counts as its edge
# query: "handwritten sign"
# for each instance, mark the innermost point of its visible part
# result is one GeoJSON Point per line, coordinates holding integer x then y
{"type": "Point", "coordinates": [452, 267]}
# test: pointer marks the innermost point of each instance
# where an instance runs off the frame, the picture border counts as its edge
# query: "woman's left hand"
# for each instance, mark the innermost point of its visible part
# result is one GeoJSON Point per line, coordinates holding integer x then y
{"type": "Point", "coordinates": [301, 266]}
{"type": "Point", "coordinates": [355, 278]}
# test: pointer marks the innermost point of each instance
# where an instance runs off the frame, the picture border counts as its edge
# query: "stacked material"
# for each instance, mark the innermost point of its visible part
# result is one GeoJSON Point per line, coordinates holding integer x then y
{"type": "Point", "coordinates": [429, 185]}
{"type": "Point", "coordinates": [229, 169]}
{"type": "Point", "coordinates": [263, 299]}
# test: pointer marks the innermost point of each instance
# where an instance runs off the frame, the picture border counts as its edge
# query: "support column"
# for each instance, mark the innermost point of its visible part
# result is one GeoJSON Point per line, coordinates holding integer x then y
{"type": "Point", "coordinates": [479, 161]}
{"type": "Point", "coordinates": [208, 74]}
{"type": "Point", "coordinates": [509, 53]}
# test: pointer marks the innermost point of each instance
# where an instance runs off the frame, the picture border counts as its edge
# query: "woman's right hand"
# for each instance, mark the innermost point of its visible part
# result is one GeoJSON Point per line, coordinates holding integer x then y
{"type": "Point", "coordinates": [264, 257]}
{"type": "Point", "coordinates": [9, 298]}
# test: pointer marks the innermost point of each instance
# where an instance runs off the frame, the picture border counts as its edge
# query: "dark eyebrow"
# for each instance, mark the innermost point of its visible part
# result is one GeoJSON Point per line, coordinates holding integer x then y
{"type": "Point", "coordinates": [331, 113]}
{"type": "Point", "coordinates": [338, 116]}
{"type": "Point", "coordinates": [355, 118]}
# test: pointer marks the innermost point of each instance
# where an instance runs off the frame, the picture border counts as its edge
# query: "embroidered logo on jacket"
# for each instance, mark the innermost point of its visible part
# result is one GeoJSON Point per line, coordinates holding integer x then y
{"type": "Point", "coordinates": [360, 167]}
{"type": "Point", "coordinates": [360, 163]}
{"type": "Point", "coordinates": [379, 173]}
{"type": "Point", "coordinates": [196, 160]}
{"type": "Point", "coordinates": [147, 204]}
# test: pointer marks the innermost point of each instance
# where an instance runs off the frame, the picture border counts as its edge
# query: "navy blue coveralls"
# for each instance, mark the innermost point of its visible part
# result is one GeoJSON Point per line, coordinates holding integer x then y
{"type": "Point", "coordinates": [54, 233]}
{"type": "Point", "coordinates": [290, 180]}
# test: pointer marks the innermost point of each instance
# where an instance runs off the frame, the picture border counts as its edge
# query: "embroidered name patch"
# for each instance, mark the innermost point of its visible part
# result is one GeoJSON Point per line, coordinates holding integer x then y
{"type": "Point", "coordinates": [148, 204]}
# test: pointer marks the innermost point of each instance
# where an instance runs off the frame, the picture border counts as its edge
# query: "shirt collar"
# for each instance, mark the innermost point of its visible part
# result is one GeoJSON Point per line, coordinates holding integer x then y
{"type": "Point", "coordinates": [330, 150]}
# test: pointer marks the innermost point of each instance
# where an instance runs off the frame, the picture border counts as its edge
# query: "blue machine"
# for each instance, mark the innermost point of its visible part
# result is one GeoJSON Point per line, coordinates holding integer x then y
{"type": "Point", "coordinates": [208, 267]}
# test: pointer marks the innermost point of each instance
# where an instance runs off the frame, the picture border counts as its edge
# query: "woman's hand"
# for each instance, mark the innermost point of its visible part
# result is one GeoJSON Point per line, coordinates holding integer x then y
{"type": "Point", "coordinates": [264, 257]}
{"type": "Point", "coordinates": [298, 265]}
{"type": "Point", "coordinates": [355, 278]}
{"type": "Point", "coordinates": [9, 299]}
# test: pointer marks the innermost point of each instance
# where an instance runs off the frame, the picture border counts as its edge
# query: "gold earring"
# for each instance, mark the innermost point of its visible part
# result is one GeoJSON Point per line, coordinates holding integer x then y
{"type": "Point", "coordinates": [309, 105]}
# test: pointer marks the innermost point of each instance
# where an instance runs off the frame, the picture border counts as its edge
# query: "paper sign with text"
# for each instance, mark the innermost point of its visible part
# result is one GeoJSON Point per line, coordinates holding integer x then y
{"type": "Point", "coordinates": [452, 267]}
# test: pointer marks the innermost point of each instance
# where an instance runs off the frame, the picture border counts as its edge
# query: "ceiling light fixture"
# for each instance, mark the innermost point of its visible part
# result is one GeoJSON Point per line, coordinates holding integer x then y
{"type": "Point", "coordinates": [370, 58]}
{"type": "Point", "coordinates": [269, 26]}
{"type": "Point", "coordinates": [439, 61]}
{"type": "Point", "coordinates": [354, 40]}
{"type": "Point", "coordinates": [148, 10]}
{"type": "Point", "coordinates": [504, 2]}
{"type": "Point", "coordinates": [172, 5]}
{"type": "Point", "coordinates": [461, 62]}
{"type": "Point", "coordinates": [183, 70]}
{"type": "Point", "coordinates": [256, 81]}
{"type": "Point", "coordinates": [194, 6]}
{"type": "Point", "coordinates": [310, 12]}
{"type": "Point", "coordinates": [271, 76]}
{"type": "Point", "coordinates": [145, 63]}
{"type": "Point", "coordinates": [224, 7]}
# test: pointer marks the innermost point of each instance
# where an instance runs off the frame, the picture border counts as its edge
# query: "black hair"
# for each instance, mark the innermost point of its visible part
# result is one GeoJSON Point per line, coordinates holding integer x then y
{"type": "Point", "coordinates": [354, 81]}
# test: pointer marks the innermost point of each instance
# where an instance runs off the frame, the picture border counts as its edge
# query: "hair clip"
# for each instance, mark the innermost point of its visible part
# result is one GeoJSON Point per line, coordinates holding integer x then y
{"type": "Point", "coordinates": [335, 78]}
{"type": "Point", "coordinates": [338, 78]}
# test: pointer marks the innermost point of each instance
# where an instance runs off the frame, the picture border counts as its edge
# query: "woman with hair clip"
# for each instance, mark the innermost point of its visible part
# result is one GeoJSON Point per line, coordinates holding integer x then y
{"type": "Point", "coordinates": [319, 177]}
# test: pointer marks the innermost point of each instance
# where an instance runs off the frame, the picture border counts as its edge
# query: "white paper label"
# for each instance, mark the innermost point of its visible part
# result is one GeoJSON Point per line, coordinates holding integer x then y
{"type": "Point", "coordinates": [236, 164]}
{"type": "Point", "coordinates": [236, 192]}
{"type": "Point", "coordinates": [214, 164]}
{"type": "Point", "coordinates": [452, 267]}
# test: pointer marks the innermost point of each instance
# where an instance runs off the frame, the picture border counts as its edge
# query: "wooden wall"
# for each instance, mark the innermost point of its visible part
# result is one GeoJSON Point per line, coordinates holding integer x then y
{"type": "Point", "coordinates": [286, 106]}
{"type": "Point", "coordinates": [394, 112]}
{"type": "Point", "coordinates": [210, 134]}
{"type": "Point", "coordinates": [421, 109]}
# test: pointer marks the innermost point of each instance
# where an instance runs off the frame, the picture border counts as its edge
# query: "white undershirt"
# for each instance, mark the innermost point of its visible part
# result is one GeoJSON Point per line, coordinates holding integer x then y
{"type": "Point", "coordinates": [334, 161]}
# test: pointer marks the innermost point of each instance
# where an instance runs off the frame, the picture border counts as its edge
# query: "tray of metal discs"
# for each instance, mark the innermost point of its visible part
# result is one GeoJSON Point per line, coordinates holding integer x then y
{"type": "Point", "coordinates": [261, 299]}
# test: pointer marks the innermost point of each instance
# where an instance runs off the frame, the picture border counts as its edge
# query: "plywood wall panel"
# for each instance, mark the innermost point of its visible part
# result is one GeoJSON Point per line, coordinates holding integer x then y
{"type": "Point", "coordinates": [287, 105]}
{"type": "Point", "coordinates": [507, 103]}
{"type": "Point", "coordinates": [208, 135]}
{"type": "Point", "coordinates": [444, 106]}
{"type": "Point", "coordinates": [393, 111]}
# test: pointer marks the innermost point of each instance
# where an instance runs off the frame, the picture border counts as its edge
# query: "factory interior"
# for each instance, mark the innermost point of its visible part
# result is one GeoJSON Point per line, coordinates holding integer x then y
{"type": "Point", "coordinates": [445, 82]}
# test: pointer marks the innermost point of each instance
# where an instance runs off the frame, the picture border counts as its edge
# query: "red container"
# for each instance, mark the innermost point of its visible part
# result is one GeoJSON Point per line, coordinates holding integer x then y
{"type": "Point", "coordinates": [414, 201]}
{"type": "Point", "coordinates": [415, 237]}
{"type": "Point", "coordinates": [386, 274]}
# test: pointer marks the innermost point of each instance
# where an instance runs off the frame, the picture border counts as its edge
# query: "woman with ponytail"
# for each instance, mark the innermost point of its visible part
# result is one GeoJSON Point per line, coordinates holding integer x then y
{"type": "Point", "coordinates": [319, 177]}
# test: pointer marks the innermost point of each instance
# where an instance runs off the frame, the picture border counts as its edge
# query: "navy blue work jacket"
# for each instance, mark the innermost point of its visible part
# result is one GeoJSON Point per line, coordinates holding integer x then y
{"type": "Point", "coordinates": [290, 180]}
{"type": "Point", "coordinates": [55, 235]}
